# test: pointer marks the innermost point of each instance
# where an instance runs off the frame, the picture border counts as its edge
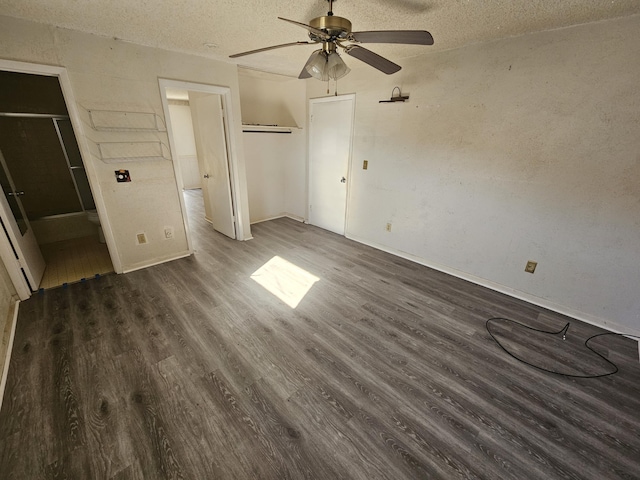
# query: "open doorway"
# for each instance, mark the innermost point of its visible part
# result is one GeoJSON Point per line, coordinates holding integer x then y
{"type": "Point", "coordinates": [47, 207]}
{"type": "Point", "coordinates": [197, 119]}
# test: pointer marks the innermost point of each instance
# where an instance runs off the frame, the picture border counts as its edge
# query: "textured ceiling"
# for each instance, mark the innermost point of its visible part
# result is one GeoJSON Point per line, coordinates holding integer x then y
{"type": "Point", "coordinates": [218, 28]}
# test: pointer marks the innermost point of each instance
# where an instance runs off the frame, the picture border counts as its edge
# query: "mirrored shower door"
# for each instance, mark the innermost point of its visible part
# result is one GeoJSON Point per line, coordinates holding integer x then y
{"type": "Point", "coordinates": [18, 230]}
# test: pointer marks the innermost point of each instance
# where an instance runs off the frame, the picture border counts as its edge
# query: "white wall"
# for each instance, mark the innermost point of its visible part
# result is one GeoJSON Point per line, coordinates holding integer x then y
{"type": "Point", "coordinates": [109, 74]}
{"type": "Point", "coordinates": [276, 174]}
{"type": "Point", "coordinates": [276, 162]}
{"type": "Point", "coordinates": [268, 99]}
{"type": "Point", "coordinates": [185, 145]}
{"type": "Point", "coordinates": [522, 149]}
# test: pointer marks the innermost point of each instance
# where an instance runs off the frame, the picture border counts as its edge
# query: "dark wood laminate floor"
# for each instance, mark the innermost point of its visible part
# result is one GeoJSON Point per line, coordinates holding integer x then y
{"type": "Point", "coordinates": [192, 369]}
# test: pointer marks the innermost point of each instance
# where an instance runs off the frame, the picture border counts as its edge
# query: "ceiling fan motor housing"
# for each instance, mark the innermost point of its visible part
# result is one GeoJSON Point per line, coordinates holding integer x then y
{"type": "Point", "coordinates": [336, 27]}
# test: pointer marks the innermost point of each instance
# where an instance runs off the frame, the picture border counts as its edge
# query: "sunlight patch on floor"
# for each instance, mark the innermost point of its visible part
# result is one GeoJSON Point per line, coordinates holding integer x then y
{"type": "Point", "coordinates": [285, 280]}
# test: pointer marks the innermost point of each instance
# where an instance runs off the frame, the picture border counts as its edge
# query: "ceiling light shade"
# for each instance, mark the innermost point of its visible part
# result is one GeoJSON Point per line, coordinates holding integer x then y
{"type": "Point", "coordinates": [326, 65]}
{"type": "Point", "coordinates": [317, 66]}
{"type": "Point", "coordinates": [336, 66]}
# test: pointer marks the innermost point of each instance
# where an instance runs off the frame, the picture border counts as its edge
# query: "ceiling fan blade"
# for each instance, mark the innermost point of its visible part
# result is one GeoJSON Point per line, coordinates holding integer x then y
{"type": "Point", "coordinates": [250, 52]}
{"type": "Point", "coordinates": [373, 59]}
{"type": "Point", "coordinates": [408, 37]}
{"type": "Point", "coordinates": [315, 31]}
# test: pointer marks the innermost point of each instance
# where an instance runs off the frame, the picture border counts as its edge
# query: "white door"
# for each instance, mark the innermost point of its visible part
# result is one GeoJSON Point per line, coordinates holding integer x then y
{"type": "Point", "coordinates": [211, 145]}
{"type": "Point", "coordinates": [19, 231]}
{"type": "Point", "coordinates": [330, 133]}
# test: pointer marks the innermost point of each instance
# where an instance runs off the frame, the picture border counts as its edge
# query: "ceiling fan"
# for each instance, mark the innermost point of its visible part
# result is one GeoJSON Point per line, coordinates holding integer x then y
{"type": "Point", "coordinates": [332, 32]}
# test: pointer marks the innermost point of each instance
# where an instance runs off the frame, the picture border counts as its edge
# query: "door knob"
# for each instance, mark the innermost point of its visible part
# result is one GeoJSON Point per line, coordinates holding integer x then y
{"type": "Point", "coordinates": [206, 175]}
{"type": "Point", "coordinates": [343, 180]}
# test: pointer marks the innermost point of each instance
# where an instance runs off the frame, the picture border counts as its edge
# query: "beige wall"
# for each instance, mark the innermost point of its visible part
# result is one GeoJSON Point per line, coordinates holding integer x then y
{"type": "Point", "coordinates": [107, 74]}
{"type": "Point", "coordinates": [522, 149]}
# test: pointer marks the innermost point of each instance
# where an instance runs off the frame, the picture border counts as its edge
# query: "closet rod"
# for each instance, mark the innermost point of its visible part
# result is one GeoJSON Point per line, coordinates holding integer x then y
{"type": "Point", "coordinates": [34, 115]}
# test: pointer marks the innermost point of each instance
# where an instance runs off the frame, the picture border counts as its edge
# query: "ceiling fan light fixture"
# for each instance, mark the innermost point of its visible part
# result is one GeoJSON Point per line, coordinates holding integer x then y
{"type": "Point", "coordinates": [332, 32]}
{"type": "Point", "coordinates": [317, 66]}
{"type": "Point", "coordinates": [324, 66]}
{"type": "Point", "coordinates": [336, 66]}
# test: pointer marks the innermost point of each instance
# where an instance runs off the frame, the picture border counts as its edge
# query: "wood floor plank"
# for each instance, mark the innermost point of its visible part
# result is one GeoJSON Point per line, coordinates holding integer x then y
{"type": "Point", "coordinates": [383, 370]}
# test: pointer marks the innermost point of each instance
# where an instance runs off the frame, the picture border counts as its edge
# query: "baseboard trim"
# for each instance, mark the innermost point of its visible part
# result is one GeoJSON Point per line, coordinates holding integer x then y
{"type": "Point", "coordinates": [153, 263]}
{"type": "Point", "coordinates": [284, 215]}
{"type": "Point", "coordinates": [5, 370]}
{"type": "Point", "coordinates": [540, 302]}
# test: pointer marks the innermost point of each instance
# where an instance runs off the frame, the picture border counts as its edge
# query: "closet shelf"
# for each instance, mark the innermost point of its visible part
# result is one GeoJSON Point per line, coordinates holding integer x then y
{"type": "Point", "coordinates": [114, 121]}
{"type": "Point", "coordinates": [254, 128]}
{"type": "Point", "coordinates": [119, 145]}
{"type": "Point", "coordinates": [119, 152]}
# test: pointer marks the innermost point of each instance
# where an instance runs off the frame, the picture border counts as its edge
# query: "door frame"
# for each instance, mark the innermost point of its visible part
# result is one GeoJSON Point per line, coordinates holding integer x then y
{"type": "Point", "coordinates": [85, 153]}
{"type": "Point", "coordinates": [333, 98]}
{"type": "Point", "coordinates": [232, 149]}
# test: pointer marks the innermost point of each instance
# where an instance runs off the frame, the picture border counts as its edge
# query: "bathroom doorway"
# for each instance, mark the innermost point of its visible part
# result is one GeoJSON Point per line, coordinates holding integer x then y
{"type": "Point", "coordinates": [44, 182]}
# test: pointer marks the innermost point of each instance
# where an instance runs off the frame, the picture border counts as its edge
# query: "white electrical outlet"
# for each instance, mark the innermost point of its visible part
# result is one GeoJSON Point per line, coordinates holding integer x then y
{"type": "Point", "coordinates": [168, 232]}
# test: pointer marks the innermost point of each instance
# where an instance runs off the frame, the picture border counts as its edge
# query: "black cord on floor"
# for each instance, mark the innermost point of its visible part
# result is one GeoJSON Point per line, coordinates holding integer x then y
{"type": "Point", "coordinates": [562, 332]}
